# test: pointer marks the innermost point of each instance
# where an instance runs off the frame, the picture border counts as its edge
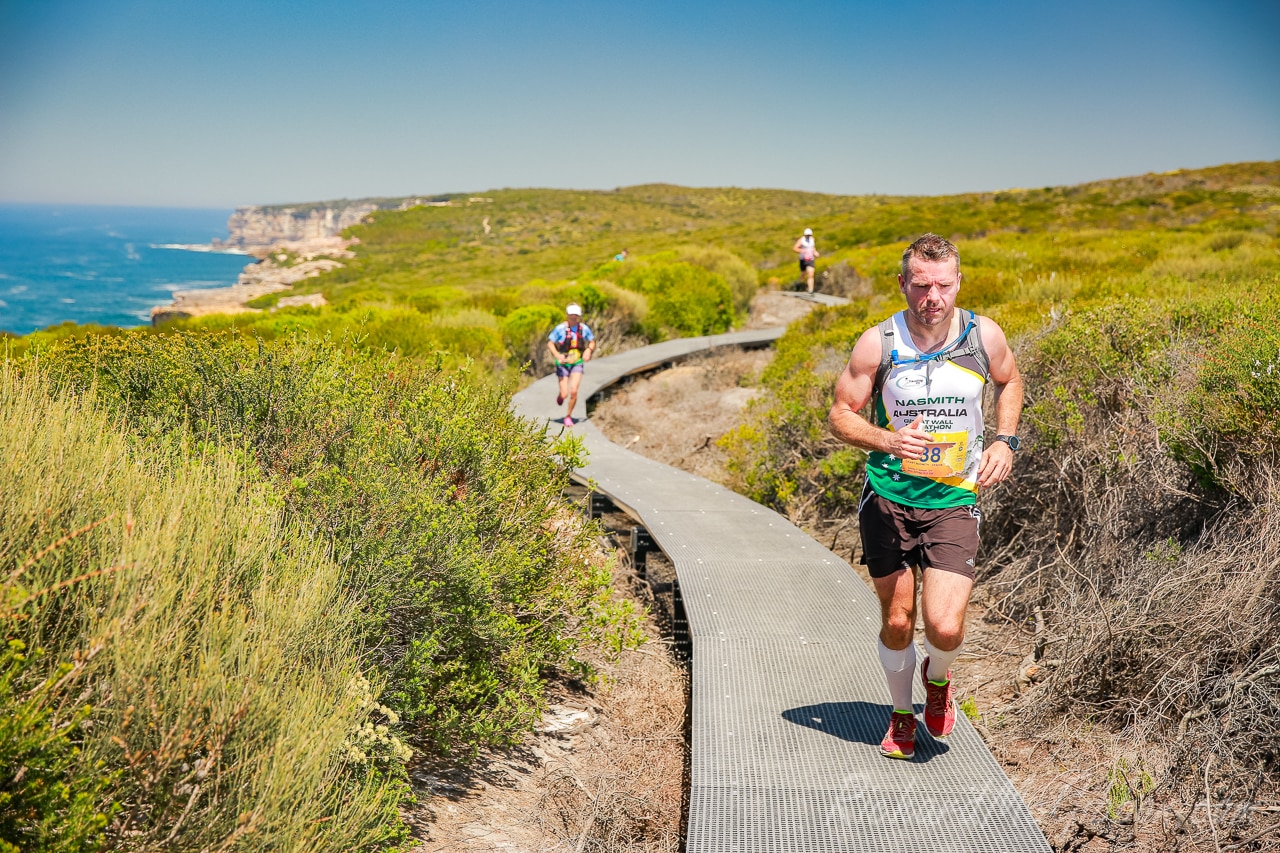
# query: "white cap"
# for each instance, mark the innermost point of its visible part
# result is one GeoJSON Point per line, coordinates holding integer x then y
{"type": "Point", "coordinates": [808, 232]}
{"type": "Point", "coordinates": [574, 308]}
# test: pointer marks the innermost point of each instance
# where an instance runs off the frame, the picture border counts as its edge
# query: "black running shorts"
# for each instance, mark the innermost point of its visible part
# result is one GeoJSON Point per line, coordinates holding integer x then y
{"type": "Point", "coordinates": [896, 537]}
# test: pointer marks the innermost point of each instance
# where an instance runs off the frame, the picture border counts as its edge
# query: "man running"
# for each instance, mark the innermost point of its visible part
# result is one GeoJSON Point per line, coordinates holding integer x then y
{"type": "Point", "coordinates": [925, 368]}
{"type": "Point", "coordinates": [808, 254]}
{"type": "Point", "coordinates": [571, 344]}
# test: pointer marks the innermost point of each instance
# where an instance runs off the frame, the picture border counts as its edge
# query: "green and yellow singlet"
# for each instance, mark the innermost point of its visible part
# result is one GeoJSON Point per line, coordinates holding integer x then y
{"type": "Point", "coordinates": [945, 390]}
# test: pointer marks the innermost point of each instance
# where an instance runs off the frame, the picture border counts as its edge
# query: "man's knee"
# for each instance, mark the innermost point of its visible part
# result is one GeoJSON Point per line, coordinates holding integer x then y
{"type": "Point", "coordinates": [899, 629]}
{"type": "Point", "coordinates": [946, 633]}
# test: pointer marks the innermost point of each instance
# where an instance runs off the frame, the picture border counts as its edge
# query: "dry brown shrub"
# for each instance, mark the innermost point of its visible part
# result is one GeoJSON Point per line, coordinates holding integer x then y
{"type": "Point", "coordinates": [627, 791]}
{"type": "Point", "coordinates": [1155, 603]}
{"type": "Point", "coordinates": [630, 798]}
{"type": "Point", "coordinates": [843, 280]}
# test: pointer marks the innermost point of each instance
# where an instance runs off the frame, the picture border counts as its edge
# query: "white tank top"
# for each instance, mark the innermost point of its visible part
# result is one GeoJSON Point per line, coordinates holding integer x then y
{"type": "Point", "coordinates": [946, 394]}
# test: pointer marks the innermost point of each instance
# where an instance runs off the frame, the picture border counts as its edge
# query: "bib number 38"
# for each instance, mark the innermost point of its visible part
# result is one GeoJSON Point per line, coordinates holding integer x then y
{"type": "Point", "coordinates": [943, 457]}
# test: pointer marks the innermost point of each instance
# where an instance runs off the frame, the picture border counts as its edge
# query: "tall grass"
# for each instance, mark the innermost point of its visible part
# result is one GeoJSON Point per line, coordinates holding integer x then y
{"type": "Point", "coordinates": [196, 654]}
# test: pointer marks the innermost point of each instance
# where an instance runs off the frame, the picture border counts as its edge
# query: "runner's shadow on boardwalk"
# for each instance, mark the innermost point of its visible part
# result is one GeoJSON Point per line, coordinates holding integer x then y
{"type": "Point", "coordinates": [860, 722]}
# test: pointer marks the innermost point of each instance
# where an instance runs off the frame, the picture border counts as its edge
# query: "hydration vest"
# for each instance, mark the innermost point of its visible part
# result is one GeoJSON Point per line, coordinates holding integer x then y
{"type": "Point", "coordinates": [574, 341]}
{"type": "Point", "coordinates": [944, 389]}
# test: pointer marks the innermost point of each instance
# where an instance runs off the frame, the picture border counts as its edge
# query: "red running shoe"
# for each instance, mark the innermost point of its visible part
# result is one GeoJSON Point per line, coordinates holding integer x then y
{"type": "Point", "coordinates": [900, 740]}
{"type": "Point", "coordinates": [939, 706]}
{"type": "Point", "coordinates": [559, 400]}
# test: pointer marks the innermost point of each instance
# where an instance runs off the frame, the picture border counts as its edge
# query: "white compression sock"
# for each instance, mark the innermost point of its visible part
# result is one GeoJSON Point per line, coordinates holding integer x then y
{"type": "Point", "coordinates": [940, 661]}
{"type": "Point", "coordinates": [899, 670]}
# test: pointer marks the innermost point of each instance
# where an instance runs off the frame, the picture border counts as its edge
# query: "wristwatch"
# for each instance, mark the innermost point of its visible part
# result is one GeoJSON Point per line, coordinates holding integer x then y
{"type": "Point", "coordinates": [1012, 440]}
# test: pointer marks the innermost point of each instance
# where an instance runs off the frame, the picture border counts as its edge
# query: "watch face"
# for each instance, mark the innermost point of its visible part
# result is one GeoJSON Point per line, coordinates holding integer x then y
{"type": "Point", "coordinates": [1014, 442]}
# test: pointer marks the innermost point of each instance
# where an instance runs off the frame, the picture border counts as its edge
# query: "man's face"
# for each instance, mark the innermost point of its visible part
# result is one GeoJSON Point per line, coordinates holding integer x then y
{"type": "Point", "coordinates": [572, 319]}
{"type": "Point", "coordinates": [931, 288]}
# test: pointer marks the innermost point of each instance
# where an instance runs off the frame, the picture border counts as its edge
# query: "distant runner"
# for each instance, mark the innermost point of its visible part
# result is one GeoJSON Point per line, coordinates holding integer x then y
{"type": "Point", "coordinates": [621, 256]}
{"type": "Point", "coordinates": [571, 344]}
{"type": "Point", "coordinates": [808, 254]}
{"type": "Point", "coordinates": [925, 369]}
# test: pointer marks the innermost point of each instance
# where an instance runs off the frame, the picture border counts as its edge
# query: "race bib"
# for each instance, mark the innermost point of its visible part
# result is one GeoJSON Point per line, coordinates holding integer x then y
{"type": "Point", "coordinates": [943, 457]}
{"type": "Point", "coordinates": [573, 355]}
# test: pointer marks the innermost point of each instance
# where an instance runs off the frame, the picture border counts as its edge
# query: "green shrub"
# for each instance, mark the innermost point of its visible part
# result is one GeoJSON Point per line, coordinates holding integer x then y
{"type": "Point", "coordinates": [683, 299]}
{"type": "Point", "coordinates": [1221, 415]}
{"type": "Point", "coordinates": [267, 300]}
{"type": "Point", "coordinates": [591, 297]}
{"type": "Point", "coordinates": [48, 799]}
{"type": "Point", "coordinates": [525, 329]}
{"type": "Point", "coordinates": [439, 503]}
{"type": "Point", "coordinates": [741, 278]}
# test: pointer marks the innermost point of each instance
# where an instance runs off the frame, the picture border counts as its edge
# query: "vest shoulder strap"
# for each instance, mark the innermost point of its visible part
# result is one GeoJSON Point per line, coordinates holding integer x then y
{"type": "Point", "coordinates": [972, 345]}
{"type": "Point", "coordinates": [979, 350]}
{"type": "Point", "coordinates": [887, 346]}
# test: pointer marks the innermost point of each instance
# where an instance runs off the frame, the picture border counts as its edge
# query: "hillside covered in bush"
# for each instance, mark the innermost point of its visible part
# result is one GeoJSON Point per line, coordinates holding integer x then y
{"type": "Point", "coordinates": [250, 562]}
{"type": "Point", "coordinates": [241, 582]}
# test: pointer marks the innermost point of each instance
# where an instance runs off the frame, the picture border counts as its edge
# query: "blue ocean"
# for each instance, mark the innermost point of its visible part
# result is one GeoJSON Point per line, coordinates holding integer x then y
{"type": "Point", "coordinates": [105, 265]}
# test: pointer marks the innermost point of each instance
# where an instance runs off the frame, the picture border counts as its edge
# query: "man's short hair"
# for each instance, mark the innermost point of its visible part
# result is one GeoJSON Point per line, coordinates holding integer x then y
{"type": "Point", "coordinates": [929, 247]}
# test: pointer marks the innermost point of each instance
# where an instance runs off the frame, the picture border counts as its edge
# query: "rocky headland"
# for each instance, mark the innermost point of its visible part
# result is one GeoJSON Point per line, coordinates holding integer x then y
{"type": "Point", "coordinates": [289, 243]}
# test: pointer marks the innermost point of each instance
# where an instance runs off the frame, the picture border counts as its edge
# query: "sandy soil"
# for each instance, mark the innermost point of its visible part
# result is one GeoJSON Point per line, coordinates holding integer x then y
{"type": "Point", "coordinates": [775, 308]}
{"type": "Point", "coordinates": [677, 416]}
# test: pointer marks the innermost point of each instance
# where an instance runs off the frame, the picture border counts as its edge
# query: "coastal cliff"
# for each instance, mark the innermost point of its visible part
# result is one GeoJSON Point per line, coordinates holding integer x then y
{"type": "Point", "coordinates": [258, 229]}
{"type": "Point", "coordinates": [258, 279]}
{"type": "Point", "coordinates": [290, 243]}
{"type": "Point", "coordinates": [262, 228]}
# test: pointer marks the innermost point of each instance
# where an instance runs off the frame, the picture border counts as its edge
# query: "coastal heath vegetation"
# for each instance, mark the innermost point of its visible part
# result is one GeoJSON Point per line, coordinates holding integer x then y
{"type": "Point", "coordinates": [438, 503]}
{"type": "Point", "coordinates": [420, 275]}
{"type": "Point", "coordinates": [644, 300]}
{"type": "Point", "coordinates": [246, 581]}
{"type": "Point", "coordinates": [372, 447]}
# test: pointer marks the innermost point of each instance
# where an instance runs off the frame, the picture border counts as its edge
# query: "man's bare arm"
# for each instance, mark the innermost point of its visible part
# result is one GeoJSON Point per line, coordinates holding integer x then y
{"type": "Point", "coordinates": [853, 391]}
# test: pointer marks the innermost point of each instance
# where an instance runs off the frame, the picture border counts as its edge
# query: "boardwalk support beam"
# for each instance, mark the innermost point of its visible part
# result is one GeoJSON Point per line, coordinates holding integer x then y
{"type": "Point", "coordinates": [641, 545]}
{"type": "Point", "coordinates": [600, 504]}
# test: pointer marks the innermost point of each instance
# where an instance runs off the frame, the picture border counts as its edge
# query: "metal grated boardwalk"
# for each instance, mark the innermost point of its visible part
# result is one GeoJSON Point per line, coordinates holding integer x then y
{"type": "Point", "coordinates": [789, 700]}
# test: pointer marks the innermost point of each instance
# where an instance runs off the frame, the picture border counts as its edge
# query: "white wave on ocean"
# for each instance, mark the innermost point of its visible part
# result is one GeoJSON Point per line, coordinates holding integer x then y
{"type": "Point", "coordinates": [199, 247]}
{"type": "Point", "coordinates": [174, 287]}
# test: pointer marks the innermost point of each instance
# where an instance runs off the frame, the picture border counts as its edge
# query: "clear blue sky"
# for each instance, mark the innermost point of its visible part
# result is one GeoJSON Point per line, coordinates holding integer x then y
{"type": "Point", "coordinates": [234, 102]}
